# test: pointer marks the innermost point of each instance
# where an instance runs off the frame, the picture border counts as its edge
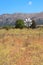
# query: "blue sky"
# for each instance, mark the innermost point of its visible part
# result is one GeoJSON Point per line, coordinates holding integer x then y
{"type": "Point", "coordinates": [21, 6]}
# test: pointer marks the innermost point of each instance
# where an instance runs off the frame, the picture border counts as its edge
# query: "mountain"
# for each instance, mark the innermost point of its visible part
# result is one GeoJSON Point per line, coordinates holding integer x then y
{"type": "Point", "coordinates": [10, 19]}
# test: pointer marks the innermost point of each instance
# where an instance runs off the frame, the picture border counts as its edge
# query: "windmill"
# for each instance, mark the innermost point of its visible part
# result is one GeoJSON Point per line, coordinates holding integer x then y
{"type": "Point", "coordinates": [28, 22]}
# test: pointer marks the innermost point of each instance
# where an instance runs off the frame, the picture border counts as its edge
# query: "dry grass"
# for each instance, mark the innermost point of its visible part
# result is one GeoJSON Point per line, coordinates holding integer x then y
{"type": "Point", "coordinates": [21, 47]}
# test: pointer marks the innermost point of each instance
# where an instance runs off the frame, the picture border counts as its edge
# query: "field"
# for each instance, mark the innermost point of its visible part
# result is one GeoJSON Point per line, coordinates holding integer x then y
{"type": "Point", "coordinates": [21, 46]}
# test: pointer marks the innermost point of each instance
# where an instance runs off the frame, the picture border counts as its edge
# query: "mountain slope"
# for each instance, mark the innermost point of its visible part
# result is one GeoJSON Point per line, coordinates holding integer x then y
{"type": "Point", "coordinates": [7, 19]}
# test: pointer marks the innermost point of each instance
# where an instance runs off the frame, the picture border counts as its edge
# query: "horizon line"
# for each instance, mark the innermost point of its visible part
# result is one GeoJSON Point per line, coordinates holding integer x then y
{"type": "Point", "coordinates": [22, 13]}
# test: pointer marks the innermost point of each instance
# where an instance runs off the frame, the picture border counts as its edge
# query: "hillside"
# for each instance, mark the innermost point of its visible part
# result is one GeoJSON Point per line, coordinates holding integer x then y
{"type": "Point", "coordinates": [7, 19]}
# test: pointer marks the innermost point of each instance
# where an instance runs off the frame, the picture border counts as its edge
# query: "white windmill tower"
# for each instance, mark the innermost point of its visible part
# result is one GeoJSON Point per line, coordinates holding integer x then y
{"type": "Point", "coordinates": [28, 22]}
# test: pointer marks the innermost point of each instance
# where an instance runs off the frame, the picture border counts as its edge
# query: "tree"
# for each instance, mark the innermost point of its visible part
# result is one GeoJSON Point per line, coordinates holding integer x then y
{"type": "Point", "coordinates": [19, 24]}
{"type": "Point", "coordinates": [33, 24]}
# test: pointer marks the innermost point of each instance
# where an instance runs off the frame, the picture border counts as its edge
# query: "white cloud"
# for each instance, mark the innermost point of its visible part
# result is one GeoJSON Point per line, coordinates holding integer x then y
{"type": "Point", "coordinates": [30, 2]}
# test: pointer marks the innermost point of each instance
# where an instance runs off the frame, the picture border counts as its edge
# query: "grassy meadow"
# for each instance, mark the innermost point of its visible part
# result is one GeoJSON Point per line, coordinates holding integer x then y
{"type": "Point", "coordinates": [21, 46]}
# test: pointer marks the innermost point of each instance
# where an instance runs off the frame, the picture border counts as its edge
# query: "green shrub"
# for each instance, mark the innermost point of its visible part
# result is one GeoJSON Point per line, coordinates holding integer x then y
{"type": "Point", "coordinates": [33, 24]}
{"type": "Point", "coordinates": [7, 27]}
{"type": "Point", "coordinates": [19, 24]}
